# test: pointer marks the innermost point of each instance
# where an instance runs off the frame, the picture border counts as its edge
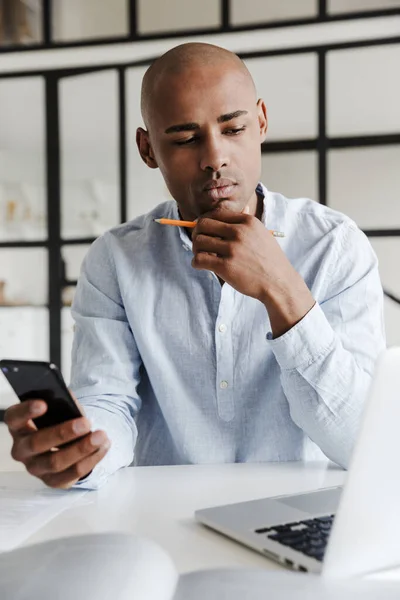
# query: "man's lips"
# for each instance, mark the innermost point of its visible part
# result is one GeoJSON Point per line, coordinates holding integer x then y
{"type": "Point", "coordinates": [219, 188]}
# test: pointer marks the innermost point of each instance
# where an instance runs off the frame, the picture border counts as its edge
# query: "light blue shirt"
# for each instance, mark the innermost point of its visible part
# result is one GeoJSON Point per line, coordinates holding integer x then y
{"type": "Point", "coordinates": [178, 369]}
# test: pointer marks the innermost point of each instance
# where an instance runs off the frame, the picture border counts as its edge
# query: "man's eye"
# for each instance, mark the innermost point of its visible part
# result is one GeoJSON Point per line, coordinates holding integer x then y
{"type": "Point", "coordinates": [235, 130]}
{"type": "Point", "coordinates": [185, 142]}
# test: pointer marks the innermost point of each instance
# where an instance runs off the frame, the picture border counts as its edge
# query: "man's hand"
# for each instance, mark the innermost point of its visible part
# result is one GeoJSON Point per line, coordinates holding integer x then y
{"type": "Point", "coordinates": [59, 455]}
{"type": "Point", "coordinates": [241, 251]}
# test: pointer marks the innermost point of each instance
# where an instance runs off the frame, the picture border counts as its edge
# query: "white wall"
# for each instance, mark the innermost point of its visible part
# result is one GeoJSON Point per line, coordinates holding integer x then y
{"type": "Point", "coordinates": [279, 38]}
{"type": "Point", "coordinates": [85, 19]}
{"type": "Point", "coordinates": [362, 182]}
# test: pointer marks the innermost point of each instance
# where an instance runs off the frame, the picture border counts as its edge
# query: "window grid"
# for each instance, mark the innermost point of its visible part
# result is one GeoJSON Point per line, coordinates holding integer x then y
{"type": "Point", "coordinates": [54, 242]}
{"type": "Point", "coordinates": [323, 16]}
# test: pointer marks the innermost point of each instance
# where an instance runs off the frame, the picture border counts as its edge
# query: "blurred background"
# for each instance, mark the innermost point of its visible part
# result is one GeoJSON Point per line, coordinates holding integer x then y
{"type": "Point", "coordinates": [70, 76]}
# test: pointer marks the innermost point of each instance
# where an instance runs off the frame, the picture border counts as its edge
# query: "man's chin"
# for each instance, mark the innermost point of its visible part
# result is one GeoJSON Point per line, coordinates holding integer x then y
{"type": "Point", "coordinates": [227, 204]}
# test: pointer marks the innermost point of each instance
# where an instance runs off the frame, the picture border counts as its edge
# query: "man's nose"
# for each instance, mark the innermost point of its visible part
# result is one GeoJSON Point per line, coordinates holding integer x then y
{"type": "Point", "coordinates": [213, 156]}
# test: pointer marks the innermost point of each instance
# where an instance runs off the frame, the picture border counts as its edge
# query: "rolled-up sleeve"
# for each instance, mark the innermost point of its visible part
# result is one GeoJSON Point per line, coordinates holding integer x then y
{"type": "Point", "coordinates": [327, 359]}
{"type": "Point", "coordinates": [105, 361]}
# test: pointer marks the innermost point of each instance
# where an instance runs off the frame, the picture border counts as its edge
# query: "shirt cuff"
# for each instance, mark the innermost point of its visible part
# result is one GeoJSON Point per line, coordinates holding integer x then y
{"type": "Point", "coordinates": [114, 459]}
{"type": "Point", "coordinates": [310, 338]}
{"type": "Point", "coordinates": [94, 481]}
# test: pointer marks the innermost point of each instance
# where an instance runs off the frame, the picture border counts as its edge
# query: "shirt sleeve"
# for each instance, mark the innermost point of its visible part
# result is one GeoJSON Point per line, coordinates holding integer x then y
{"type": "Point", "coordinates": [327, 359]}
{"type": "Point", "coordinates": [105, 361]}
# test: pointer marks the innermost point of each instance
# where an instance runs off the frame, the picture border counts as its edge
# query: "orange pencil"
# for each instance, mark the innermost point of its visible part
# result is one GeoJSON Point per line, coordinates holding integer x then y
{"type": "Point", "coordinates": [192, 224]}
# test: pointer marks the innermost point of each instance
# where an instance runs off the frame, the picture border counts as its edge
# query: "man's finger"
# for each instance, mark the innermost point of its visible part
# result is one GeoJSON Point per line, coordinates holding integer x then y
{"type": "Point", "coordinates": [218, 223]}
{"type": "Point", "coordinates": [206, 243]}
{"type": "Point", "coordinates": [211, 227]}
{"type": "Point", "coordinates": [44, 440]}
{"type": "Point", "coordinates": [68, 478]}
{"type": "Point", "coordinates": [66, 457]}
{"type": "Point", "coordinates": [17, 417]}
{"type": "Point", "coordinates": [209, 262]}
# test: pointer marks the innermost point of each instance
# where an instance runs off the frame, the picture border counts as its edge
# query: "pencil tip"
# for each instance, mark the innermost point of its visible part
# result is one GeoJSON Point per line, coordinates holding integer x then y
{"type": "Point", "coordinates": [156, 220]}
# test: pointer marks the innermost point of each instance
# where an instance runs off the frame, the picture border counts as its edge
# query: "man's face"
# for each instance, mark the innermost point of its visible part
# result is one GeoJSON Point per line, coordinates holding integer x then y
{"type": "Point", "coordinates": [205, 133]}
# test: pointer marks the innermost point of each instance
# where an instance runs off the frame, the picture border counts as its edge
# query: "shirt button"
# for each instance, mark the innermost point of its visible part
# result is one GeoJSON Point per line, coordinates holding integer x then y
{"type": "Point", "coordinates": [222, 328]}
{"type": "Point", "coordinates": [223, 385]}
{"type": "Point", "coordinates": [210, 276]}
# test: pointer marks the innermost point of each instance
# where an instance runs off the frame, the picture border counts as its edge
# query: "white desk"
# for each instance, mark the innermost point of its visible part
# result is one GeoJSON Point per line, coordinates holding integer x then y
{"type": "Point", "coordinates": [159, 503]}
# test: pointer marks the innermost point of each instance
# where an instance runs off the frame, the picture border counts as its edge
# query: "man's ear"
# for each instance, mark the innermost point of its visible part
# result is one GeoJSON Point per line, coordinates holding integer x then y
{"type": "Point", "coordinates": [262, 119]}
{"type": "Point", "coordinates": [145, 149]}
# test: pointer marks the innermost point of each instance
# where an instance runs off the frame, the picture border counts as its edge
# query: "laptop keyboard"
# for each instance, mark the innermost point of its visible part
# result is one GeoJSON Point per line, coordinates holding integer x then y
{"type": "Point", "coordinates": [309, 537]}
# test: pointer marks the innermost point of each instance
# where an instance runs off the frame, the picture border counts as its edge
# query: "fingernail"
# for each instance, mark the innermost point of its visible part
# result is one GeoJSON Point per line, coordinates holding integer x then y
{"type": "Point", "coordinates": [80, 427]}
{"type": "Point", "coordinates": [37, 407]}
{"type": "Point", "coordinates": [97, 438]}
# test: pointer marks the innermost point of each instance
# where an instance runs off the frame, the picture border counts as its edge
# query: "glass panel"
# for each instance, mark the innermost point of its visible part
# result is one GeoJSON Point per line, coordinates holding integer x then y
{"type": "Point", "coordinates": [294, 174]}
{"type": "Point", "coordinates": [288, 84]}
{"type": "Point", "coordinates": [22, 159]}
{"type": "Point", "coordinates": [146, 187]}
{"type": "Point", "coordinates": [349, 6]}
{"type": "Point", "coordinates": [363, 93]}
{"type": "Point", "coordinates": [24, 334]}
{"type": "Point", "coordinates": [23, 276]}
{"type": "Point", "coordinates": [85, 19]}
{"type": "Point", "coordinates": [73, 257]}
{"type": "Point", "coordinates": [89, 154]}
{"type": "Point", "coordinates": [387, 250]}
{"type": "Point", "coordinates": [253, 11]}
{"type": "Point", "coordinates": [174, 15]}
{"type": "Point", "coordinates": [20, 22]}
{"type": "Point", "coordinates": [364, 183]}
{"type": "Point", "coordinates": [67, 337]}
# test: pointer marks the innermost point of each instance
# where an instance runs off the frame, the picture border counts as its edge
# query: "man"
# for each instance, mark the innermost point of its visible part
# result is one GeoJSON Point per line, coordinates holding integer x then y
{"type": "Point", "coordinates": [226, 344]}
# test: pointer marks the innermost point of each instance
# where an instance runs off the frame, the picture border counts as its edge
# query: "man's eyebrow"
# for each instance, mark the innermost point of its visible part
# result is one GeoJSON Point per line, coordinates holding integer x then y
{"type": "Point", "coordinates": [194, 126]}
{"type": "Point", "coordinates": [232, 115]}
{"type": "Point", "coordinates": [182, 127]}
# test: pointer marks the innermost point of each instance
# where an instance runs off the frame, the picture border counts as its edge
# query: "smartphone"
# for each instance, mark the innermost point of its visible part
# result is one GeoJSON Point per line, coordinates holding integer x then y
{"type": "Point", "coordinates": [32, 380]}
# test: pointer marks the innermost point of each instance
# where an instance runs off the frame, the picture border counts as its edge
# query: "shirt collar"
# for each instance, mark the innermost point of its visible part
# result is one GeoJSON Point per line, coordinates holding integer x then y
{"type": "Point", "coordinates": [262, 191]}
{"type": "Point", "coordinates": [185, 239]}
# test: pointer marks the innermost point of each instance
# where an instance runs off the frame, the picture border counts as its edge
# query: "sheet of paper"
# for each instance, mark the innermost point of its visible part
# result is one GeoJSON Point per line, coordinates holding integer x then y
{"type": "Point", "coordinates": [257, 584]}
{"type": "Point", "coordinates": [26, 506]}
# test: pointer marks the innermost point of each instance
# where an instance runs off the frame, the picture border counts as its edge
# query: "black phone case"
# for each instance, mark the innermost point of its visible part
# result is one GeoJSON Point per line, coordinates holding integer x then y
{"type": "Point", "coordinates": [41, 380]}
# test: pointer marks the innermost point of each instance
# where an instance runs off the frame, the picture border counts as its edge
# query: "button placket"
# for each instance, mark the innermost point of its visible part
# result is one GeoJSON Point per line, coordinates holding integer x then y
{"type": "Point", "coordinates": [224, 356]}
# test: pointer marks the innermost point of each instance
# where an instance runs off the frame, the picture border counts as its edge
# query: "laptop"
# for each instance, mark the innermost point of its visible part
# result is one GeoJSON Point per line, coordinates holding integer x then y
{"type": "Point", "coordinates": [340, 532]}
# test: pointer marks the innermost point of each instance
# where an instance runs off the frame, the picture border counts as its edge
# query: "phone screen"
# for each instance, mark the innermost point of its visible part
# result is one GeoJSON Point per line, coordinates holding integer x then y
{"type": "Point", "coordinates": [40, 380]}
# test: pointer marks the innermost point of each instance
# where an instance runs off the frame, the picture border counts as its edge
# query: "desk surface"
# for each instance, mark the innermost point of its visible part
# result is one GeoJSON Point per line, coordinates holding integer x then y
{"type": "Point", "coordinates": [159, 503]}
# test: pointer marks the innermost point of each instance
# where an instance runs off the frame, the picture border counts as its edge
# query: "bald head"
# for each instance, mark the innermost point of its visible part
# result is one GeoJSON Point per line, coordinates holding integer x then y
{"type": "Point", "coordinates": [203, 122]}
{"type": "Point", "coordinates": [187, 59]}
